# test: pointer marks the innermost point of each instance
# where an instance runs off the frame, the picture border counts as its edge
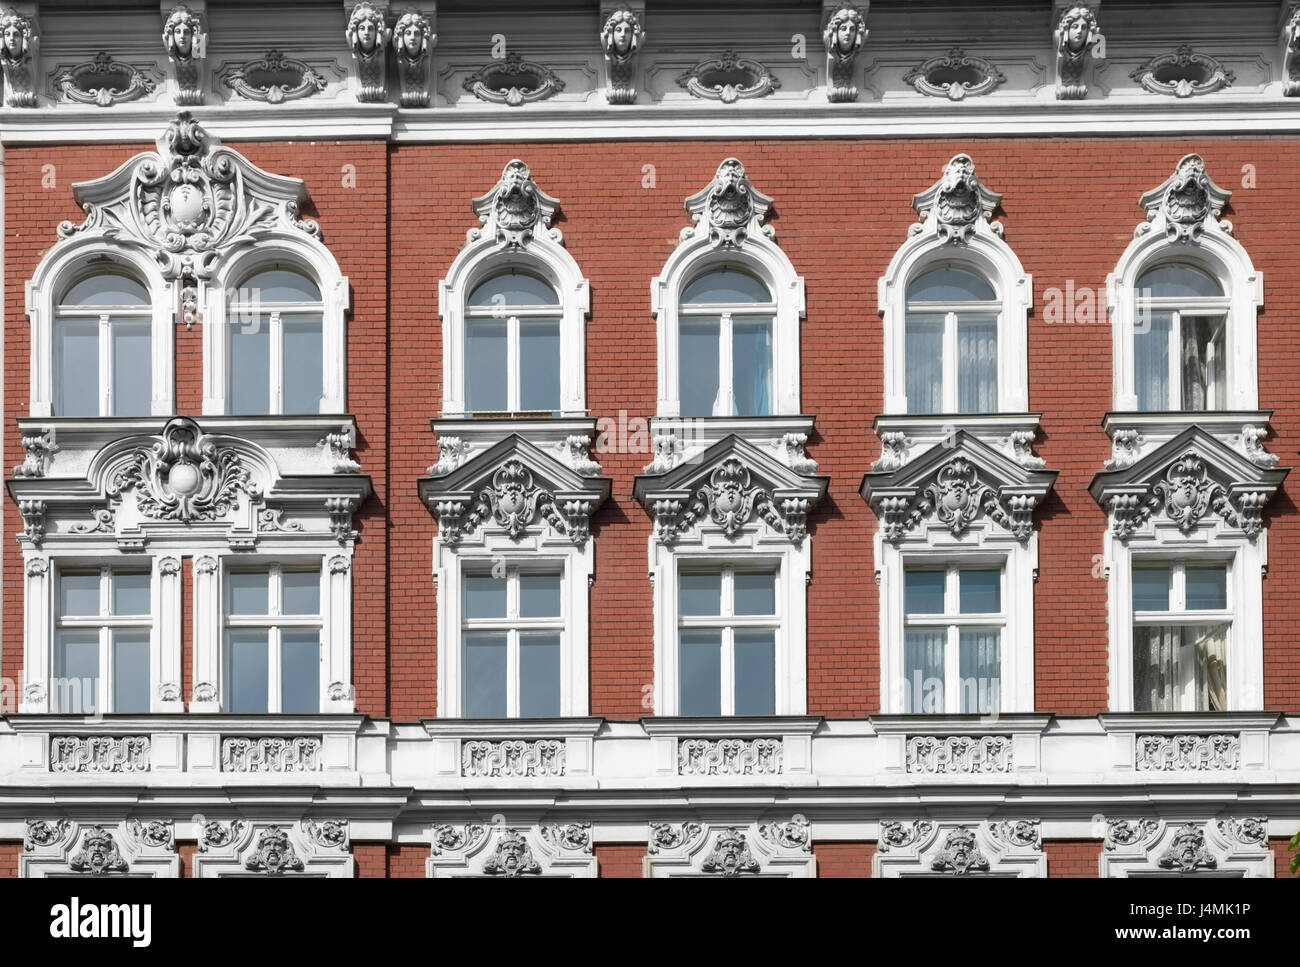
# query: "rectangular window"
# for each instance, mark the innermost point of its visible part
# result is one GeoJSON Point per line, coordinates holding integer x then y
{"type": "Point", "coordinates": [952, 639]}
{"type": "Point", "coordinates": [76, 367]}
{"type": "Point", "coordinates": [728, 623]}
{"type": "Point", "coordinates": [511, 634]}
{"type": "Point", "coordinates": [304, 364]}
{"type": "Point", "coordinates": [698, 366]}
{"type": "Point", "coordinates": [1181, 629]}
{"type": "Point", "coordinates": [952, 362]}
{"type": "Point", "coordinates": [132, 366]}
{"type": "Point", "coordinates": [1179, 361]}
{"type": "Point", "coordinates": [512, 364]}
{"type": "Point", "coordinates": [101, 641]}
{"type": "Point", "coordinates": [486, 368]}
{"type": "Point", "coordinates": [725, 364]}
{"type": "Point", "coordinates": [276, 362]}
{"type": "Point", "coordinates": [273, 640]}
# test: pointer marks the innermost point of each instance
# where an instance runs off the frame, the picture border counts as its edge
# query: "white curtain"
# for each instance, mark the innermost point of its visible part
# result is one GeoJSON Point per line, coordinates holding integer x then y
{"type": "Point", "coordinates": [981, 671]}
{"type": "Point", "coordinates": [1203, 362]}
{"type": "Point", "coordinates": [1169, 658]}
{"type": "Point", "coordinates": [1212, 668]}
{"type": "Point", "coordinates": [1151, 359]}
{"type": "Point", "coordinates": [977, 364]}
{"type": "Point", "coordinates": [1156, 675]}
{"type": "Point", "coordinates": [924, 362]}
{"type": "Point", "coordinates": [923, 688]}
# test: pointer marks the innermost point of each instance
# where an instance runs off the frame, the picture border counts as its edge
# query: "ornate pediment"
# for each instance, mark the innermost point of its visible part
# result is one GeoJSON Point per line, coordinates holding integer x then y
{"type": "Point", "coordinates": [274, 849]}
{"type": "Point", "coordinates": [730, 486]}
{"type": "Point", "coordinates": [514, 487]}
{"type": "Point", "coordinates": [779, 848]}
{"type": "Point", "coordinates": [511, 852]}
{"type": "Point", "coordinates": [1001, 848]}
{"type": "Point", "coordinates": [189, 204]}
{"type": "Point", "coordinates": [956, 205]}
{"type": "Point", "coordinates": [515, 211]}
{"type": "Point", "coordinates": [1192, 480]}
{"type": "Point", "coordinates": [1186, 204]}
{"type": "Point", "coordinates": [729, 210]}
{"type": "Point", "coordinates": [1225, 846]}
{"type": "Point", "coordinates": [65, 847]}
{"type": "Point", "coordinates": [956, 484]}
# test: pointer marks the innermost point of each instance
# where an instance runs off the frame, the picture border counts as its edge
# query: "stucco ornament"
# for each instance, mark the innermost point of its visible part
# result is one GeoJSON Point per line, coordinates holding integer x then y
{"type": "Point", "coordinates": [728, 78]}
{"type": "Point", "coordinates": [621, 38]}
{"type": "Point", "coordinates": [960, 854]}
{"type": "Point", "coordinates": [730, 208]}
{"type": "Point", "coordinates": [512, 857]}
{"type": "Point", "coordinates": [1291, 58]}
{"type": "Point", "coordinates": [955, 75]}
{"type": "Point", "coordinates": [18, 44]}
{"type": "Point", "coordinates": [730, 855]}
{"type": "Point", "coordinates": [516, 210]}
{"type": "Point", "coordinates": [1187, 852]}
{"type": "Point", "coordinates": [98, 855]}
{"type": "Point", "coordinates": [1078, 41]}
{"type": "Point", "coordinates": [844, 34]}
{"type": "Point", "coordinates": [513, 81]}
{"type": "Point", "coordinates": [185, 40]}
{"type": "Point", "coordinates": [105, 81]}
{"type": "Point", "coordinates": [273, 79]}
{"type": "Point", "coordinates": [1183, 73]}
{"type": "Point", "coordinates": [957, 202]}
{"type": "Point", "coordinates": [1186, 203]}
{"type": "Point", "coordinates": [413, 41]}
{"type": "Point", "coordinates": [368, 35]}
{"type": "Point", "coordinates": [274, 854]}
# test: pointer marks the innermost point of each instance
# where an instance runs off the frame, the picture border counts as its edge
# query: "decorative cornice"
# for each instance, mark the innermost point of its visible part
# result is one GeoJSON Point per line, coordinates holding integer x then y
{"type": "Point", "coordinates": [1079, 43]}
{"type": "Point", "coordinates": [513, 81]}
{"type": "Point", "coordinates": [1198, 74]}
{"type": "Point", "coordinates": [105, 81]}
{"type": "Point", "coordinates": [261, 79]}
{"type": "Point", "coordinates": [955, 75]}
{"type": "Point", "coordinates": [413, 43]}
{"type": "Point", "coordinates": [621, 38]}
{"type": "Point", "coordinates": [715, 79]}
{"type": "Point", "coordinates": [843, 36]}
{"type": "Point", "coordinates": [368, 35]}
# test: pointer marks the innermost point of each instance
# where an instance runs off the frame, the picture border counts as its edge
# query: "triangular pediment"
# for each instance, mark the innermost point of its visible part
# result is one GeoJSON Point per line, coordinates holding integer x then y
{"type": "Point", "coordinates": [1193, 478]}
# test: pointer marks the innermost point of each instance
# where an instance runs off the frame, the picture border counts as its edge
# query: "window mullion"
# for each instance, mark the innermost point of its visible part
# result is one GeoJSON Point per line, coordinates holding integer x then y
{"type": "Point", "coordinates": [728, 676]}
{"type": "Point", "coordinates": [105, 665]}
{"type": "Point", "coordinates": [726, 392]}
{"type": "Point", "coordinates": [275, 671]}
{"type": "Point", "coordinates": [105, 366]}
{"type": "Point", "coordinates": [1176, 400]}
{"type": "Point", "coordinates": [948, 366]}
{"type": "Point", "coordinates": [276, 362]}
{"type": "Point", "coordinates": [513, 375]}
{"type": "Point", "coordinates": [512, 673]}
{"type": "Point", "coordinates": [952, 671]}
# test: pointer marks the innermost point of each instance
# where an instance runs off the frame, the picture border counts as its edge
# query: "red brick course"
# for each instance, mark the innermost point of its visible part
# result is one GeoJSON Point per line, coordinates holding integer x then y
{"type": "Point", "coordinates": [844, 859]}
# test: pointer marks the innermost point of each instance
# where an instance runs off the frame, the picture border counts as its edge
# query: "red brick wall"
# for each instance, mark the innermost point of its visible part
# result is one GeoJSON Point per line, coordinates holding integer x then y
{"type": "Point", "coordinates": [405, 862]}
{"type": "Point", "coordinates": [620, 860]}
{"type": "Point", "coordinates": [1282, 855]}
{"type": "Point", "coordinates": [844, 859]}
{"type": "Point", "coordinates": [1077, 858]}
{"type": "Point", "coordinates": [371, 860]}
{"type": "Point", "coordinates": [186, 852]}
{"type": "Point", "coordinates": [9, 853]}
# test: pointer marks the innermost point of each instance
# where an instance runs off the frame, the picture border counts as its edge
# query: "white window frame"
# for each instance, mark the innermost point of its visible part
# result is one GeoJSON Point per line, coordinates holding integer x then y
{"type": "Point", "coordinates": [514, 626]}
{"type": "Point", "coordinates": [727, 622]}
{"type": "Point", "coordinates": [953, 621]}
{"type": "Point", "coordinates": [725, 402]}
{"type": "Point", "coordinates": [275, 339]}
{"type": "Point", "coordinates": [951, 311]}
{"type": "Point", "coordinates": [275, 622]}
{"type": "Point", "coordinates": [106, 319]}
{"type": "Point", "coordinates": [1178, 308]}
{"type": "Point", "coordinates": [301, 253]}
{"type": "Point", "coordinates": [65, 264]}
{"type": "Point", "coordinates": [105, 623]}
{"type": "Point", "coordinates": [514, 359]}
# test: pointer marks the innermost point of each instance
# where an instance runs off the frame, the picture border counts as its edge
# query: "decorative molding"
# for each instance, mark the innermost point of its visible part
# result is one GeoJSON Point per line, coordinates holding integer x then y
{"type": "Point", "coordinates": [956, 203]}
{"type": "Point", "coordinates": [960, 854]}
{"type": "Point", "coordinates": [894, 446]}
{"type": "Point", "coordinates": [1079, 44]}
{"type": "Point", "coordinates": [999, 848]}
{"type": "Point", "coordinates": [790, 448]}
{"type": "Point", "coordinates": [185, 38]}
{"type": "Point", "coordinates": [728, 78]}
{"type": "Point", "coordinates": [1226, 847]}
{"type": "Point", "coordinates": [1126, 446]}
{"type": "Point", "coordinates": [574, 451]}
{"type": "Point", "coordinates": [105, 81]}
{"type": "Point", "coordinates": [515, 210]}
{"type": "Point", "coordinates": [39, 449]}
{"type": "Point", "coordinates": [42, 833]}
{"type": "Point", "coordinates": [452, 452]}
{"type": "Point", "coordinates": [621, 38]}
{"type": "Point", "coordinates": [338, 449]}
{"type": "Point", "coordinates": [731, 500]}
{"type": "Point", "coordinates": [33, 515]}
{"type": "Point", "coordinates": [1290, 57]}
{"type": "Point", "coordinates": [1252, 445]}
{"type": "Point", "coordinates": [413, 43]}
{"type": "Point", "coordinates": [184, 477]}
{"type": "Point", "coordinates": [368, 36]}
{"type": "Point", "coordinates": [545, 850]}
{"type": "Point", "coordinates": [129, 848]}
{"type": "Point", "coordinates": [99, 753]}
{"type": "Point", "coordinates": [19, 42]}
{"type": "Point", "coordinates": [1183, 73]}
{"type": "Point", "coordinates": [729, 210]}
{"type": "Point", "coordinates": [953, 754]}
{"type": "Point", "coordinates": [512, 758]}
{"type": "Point", "coordinates": [513, 81]}
{"type": "Point", "coordinates": [730, 855]}
{"type": "Point", "coordinates": [215, 835]}
{"type": "Point", "coordinates": [729, 757]}
{"type": "Point", "coordinates": [1186, 204]}
{"type": "Point", "coordinates": [843, 36]}
{"type": "Point", "coordinates": [265, 79]}
{"type": "Point", "coordinates": [672, 836]}
{"type": "Point", "coordinates": [1188, 752]}
{"type": "Point", "coordinates": [308, 848]}
{"type": "Point", "coordinates": [273, 854]}
{"type": "Point", "coordinates": [1248, 831]}
{"type": "Point", "coordinates": [668, 453]}
{"type": "Point", "coordinates": [955, 75]}
{"type": "Point", "coordinates": [782, 848]}
{"type": "Point", "coordinates": [330, 834]}
{"type": "Point", "coordinates": [300, 753]}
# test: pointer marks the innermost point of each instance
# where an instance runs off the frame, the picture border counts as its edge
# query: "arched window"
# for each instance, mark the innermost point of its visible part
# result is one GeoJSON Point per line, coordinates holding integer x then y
{"type": "Point", "coordinates": [725, 345]}
{"type": "Point", "coordinates": [275, 344]}
{"type": "Point", "coordinates": [103, 347]}
{"type": "Point", "coordinates": [512, 345]}
{"type": "Point", "coordinates": [951, 343]}
{"type": "Point", "coordinates": [1180, 322]}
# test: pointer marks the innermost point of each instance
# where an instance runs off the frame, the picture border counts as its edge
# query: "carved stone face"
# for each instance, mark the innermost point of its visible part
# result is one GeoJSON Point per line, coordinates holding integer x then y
{"type": "Point", "coordinates": [13, 40]}
{"type": "Point", "coordinates": [1076, 33]}
{"type": "Point", "coordinates": [367, 35]}
{"type": "Point", "coordinates": [183, 38]}
{"type": "Point", "coordinates": [846, 37]}
{"type": "Point", "coordinates": [622, 35]}
{"type": "Point", "coordinates": [412, 40]}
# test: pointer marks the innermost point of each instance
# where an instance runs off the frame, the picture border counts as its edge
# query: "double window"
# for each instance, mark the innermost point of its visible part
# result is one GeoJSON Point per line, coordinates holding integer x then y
{"type": "Point", "coordinates": [725, 346]}
{"type": "Point", "coordinates": [103, 347]}
{"type": "Point", "coordinates": [951, 346]}
{"type": "Point", "coordinates": [1182, 620]}
{"type": "Point", "coordinates": [275, 344]}
{"type": "Point", "coordinates": [728, 625]}
{"type": "Point", "coordinates": [272, 640]}
{"type": "Point", "coordinates": [952, 641]}
{"type": "Point", "coordinates": [101, 644]}
{"type": "Point", "coordinates": [512, 346]}
{"type": "Point", "coordinates": [512, 629]}
{"type": "Point", "coordinates": [1179, 357]}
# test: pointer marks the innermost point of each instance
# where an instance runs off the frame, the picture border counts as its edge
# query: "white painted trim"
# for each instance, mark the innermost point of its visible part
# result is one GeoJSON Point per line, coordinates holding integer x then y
{"type": "Point", "coordinates": [1142, 858]}
{"type": "Point", "coordinates": [143, 859]}
{"type": "Point", "coordinates": [1005, 857]}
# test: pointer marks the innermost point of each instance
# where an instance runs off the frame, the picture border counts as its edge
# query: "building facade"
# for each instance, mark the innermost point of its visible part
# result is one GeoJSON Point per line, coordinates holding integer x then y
{"type": "Point", "coordinates": [639, 439]}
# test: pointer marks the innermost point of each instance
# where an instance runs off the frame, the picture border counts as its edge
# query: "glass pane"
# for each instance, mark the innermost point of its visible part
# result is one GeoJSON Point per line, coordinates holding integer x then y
{"type": "Point", "coordinates": [130, 672]}
{"type": "Point", "coordinates": [1177, 280]}
{"type": "Point", "coordinates": [539, 595]}
{"type": "Point", "coordinates": [979, 663]}
{"type": "Point", "coordinates": [78, 594]}
{"type": "Point", "coordinates": [1210, 645]}
{"type": "Point", "coordinates": [950, 284]}
{"type": "Point", "coordinates": [1207, 587]}
{"type": "Point", "coordinates": [511, 289]}
{"type": "Point", "coordinates": [539, 364]}
{"type": "Point", "coordinates": [977, 364]}
{"type": "Point", "coordinates": [485, 596]}
{"type": "Point", "coordinates": [132, 367]}
{"type": "Point", "coordinates": [277, 286]}
{"type": "Point", "coordinates": [1157, 675]}
{"type": "Point", "coordinates": [699, 594]}
{"type": "Point", "coordinates": [485, 366]}
{"type": "Point", "coordinates": [751, 366]}
{"type": "Point", "coordinates": [1204, 363]}
{"type": "Point", "coordinates": [539, 676]}
{"type": "Point", "coordinates": [303, 364]}
{"type": "Point", "coordinates": [246, 663]}
{"type": "Point", "coordinates": [76, 367]}
{"type": "Point", "coordinates": [727, 286]}
{"type": "Point", "coordinates": [755, 593]}
{"type": "Point", "coordinates": [76, 667]}
{"type": "Point", "coordinates": [924, 360]}
{"type": "Point", "coordinates": [698, 365]}
{"type": "Point", "coordinates": [1151, 360]}
{"type": "Point", "coordinates": [250, 365]}
{"type": "Point", "coordinates": [1151, 586]}
{"type": "Point", "coordinates": [299, 672]}
{"type": "Point", "coordinates": [980, 591]}
{"type": "Point", "coordinates": [755, 672]}
{"type": "Point", "coordinates": [701, 672]}
{"type": "Point", "coordinates": [300, 592]}
{"type": "Point", "coordinates": [485, 675]}
{"type": "Point", "coordinates": [130, 594]}
{"type": "Point", "coordinates": [923, 592]}
{"type": "Point", "coordinates": [246, 592]}
{"type": "Point", "coordinates": [106, 289]}
{"type": "Point", "coordinates": [923, 685]}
